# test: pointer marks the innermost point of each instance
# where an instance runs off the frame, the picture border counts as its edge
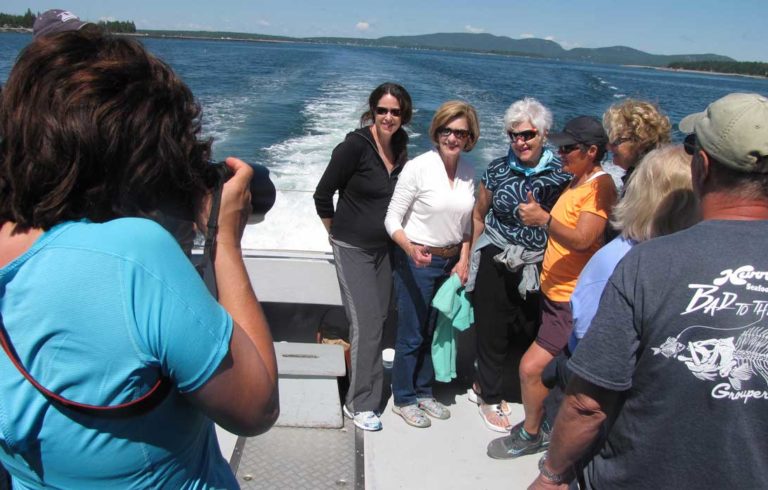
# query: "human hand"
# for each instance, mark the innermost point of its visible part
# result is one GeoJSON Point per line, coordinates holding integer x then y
{"type": "Point", "coordinates": [462, 270]}
{"type": "Point", "coordinates": [235, 203]}
{"type": "Point", "coordinates": [541, 483]}
{"type": "Point", "coordinates": [420, 255]}
{"type": "Point", "coordinates": [531, 212]}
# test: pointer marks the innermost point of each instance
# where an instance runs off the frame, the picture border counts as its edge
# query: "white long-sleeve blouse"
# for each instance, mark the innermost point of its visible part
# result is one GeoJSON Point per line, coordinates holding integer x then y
{"type": "Point", "coordinates": [425, 206]}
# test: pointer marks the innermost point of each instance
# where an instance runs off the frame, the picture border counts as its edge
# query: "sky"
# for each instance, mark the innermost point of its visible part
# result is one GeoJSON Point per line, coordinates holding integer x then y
{"type": "Point", "coordinates": [735, 28]}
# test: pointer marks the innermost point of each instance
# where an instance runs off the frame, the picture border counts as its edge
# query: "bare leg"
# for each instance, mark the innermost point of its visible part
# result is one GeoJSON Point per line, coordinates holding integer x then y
{"type": "Point", "coordinates": [533, 391]}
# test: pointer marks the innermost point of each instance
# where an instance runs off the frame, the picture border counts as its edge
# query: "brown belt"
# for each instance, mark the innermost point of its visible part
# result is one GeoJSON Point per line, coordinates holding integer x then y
{"type": "Point", "coordinates": [444, 252]}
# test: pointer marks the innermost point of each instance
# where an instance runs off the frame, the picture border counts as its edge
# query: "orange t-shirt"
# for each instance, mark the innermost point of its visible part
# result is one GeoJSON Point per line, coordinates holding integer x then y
{"type": "Point", "coordinates": [562, 266]}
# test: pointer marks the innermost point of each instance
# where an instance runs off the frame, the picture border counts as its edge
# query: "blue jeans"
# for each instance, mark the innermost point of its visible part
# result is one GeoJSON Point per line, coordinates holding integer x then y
{"type": "Point", "coordinates": [412, 372]}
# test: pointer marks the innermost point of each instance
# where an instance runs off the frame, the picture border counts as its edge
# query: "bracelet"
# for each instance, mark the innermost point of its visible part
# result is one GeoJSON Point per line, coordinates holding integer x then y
{"type": "Point", "coordinates": [556, 478]}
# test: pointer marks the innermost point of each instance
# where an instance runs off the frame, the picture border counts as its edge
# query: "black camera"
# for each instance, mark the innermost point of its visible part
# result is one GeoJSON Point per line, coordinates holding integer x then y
{"type": "Point", "coordinates": [263, 191]}
{"type": "Point", "coordinates": [263, 194]}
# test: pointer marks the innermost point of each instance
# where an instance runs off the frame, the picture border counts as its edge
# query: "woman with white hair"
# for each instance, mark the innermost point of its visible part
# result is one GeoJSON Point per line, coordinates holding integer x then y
{"type": "Point", "coordinates": [507, 254]}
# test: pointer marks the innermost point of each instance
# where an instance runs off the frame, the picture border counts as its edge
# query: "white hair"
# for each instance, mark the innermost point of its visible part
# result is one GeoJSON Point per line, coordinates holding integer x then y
{"type": "Point", "coordinates": [528, 110]}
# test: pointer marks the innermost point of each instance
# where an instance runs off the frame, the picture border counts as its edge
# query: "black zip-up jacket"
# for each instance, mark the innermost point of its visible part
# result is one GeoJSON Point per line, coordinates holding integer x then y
{"type": "Point", "coordinates": [365, 188]}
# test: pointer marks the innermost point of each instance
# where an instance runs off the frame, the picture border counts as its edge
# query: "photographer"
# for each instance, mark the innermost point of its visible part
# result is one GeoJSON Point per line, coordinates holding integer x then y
{"type": "Point", "coordinates": [100, 307]}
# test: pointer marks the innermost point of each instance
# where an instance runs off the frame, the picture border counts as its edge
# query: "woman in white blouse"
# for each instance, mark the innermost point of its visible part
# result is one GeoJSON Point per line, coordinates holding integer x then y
{"type": "Point", "coordinates": [430, 218]}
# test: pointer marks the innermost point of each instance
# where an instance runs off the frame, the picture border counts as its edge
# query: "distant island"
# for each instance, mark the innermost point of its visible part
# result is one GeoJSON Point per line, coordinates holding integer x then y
{"type": "Point", "coordinates": [750, 68]}
{"type": "Point", "coordinates": [476, 43]}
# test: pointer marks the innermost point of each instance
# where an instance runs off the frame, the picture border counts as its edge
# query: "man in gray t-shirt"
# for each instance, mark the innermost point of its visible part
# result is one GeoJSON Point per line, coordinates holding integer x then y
{"type": "Point", "coordinates": [676, 359]}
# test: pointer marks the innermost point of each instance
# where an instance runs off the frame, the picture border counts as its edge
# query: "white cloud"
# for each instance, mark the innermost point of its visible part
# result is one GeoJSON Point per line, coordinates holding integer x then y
{"type": "Point", "coordinates": [562, 43]}
{"type": "Point", "coordinates": [567, 45]}
{"type": "Point", "coordinates": [264, 23]}
{"type": "Point", "coordinates": [526, 35]}
{"type": "Point", "coordinates": [473, 30]}
{"type": "Point", "coordinates": [362, 26]}
{"type": "Point", "coordinates": [107, 19]}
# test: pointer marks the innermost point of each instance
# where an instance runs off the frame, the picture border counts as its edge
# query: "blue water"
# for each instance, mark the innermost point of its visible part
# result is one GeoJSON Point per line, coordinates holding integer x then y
{"type": "Point", "coordinates": [287, 105]}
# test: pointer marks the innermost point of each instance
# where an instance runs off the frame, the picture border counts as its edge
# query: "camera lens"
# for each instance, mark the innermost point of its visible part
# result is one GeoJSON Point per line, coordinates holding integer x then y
{"type": "Point", "coordinates": [262, 188]}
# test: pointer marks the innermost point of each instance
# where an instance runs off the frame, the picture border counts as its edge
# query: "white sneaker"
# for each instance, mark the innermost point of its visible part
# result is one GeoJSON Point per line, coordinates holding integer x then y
{"type": "Point", "coordinates": [364, 420]}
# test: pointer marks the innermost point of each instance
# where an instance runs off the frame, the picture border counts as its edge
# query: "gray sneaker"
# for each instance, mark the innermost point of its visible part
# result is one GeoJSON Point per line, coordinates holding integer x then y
{"type": "Point", "coordinates": [517, 443]}
{"type": "Point", "coordinates": [364, 420]}
{"type": "Point", "coordinates": [546, 434]}
{"type": "Point", "coordinates": [413, 415]}
{"type": "Point", "coordinates": [434, 408]}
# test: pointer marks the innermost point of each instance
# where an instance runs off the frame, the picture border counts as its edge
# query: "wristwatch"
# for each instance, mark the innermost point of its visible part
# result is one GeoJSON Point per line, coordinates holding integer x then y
{"type": "Point", "coordinates": [556, 478]}
{"type": "Point", "coordinates": [546, 225]}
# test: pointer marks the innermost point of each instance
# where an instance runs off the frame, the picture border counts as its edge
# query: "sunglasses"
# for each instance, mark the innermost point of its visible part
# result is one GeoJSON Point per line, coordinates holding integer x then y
{"type": "Point", "coordinates": [527, 135]}
{"type": "Point", "coordinates": [689, 144]}
{"type": "Point", "coordinates": [568, 148]}
{"type": "Point", "coordinates": [619, 141]}
{"type": "Point", "coordinates": [458, 133]}
{"type": "Point", "coordinates": [383, 111]}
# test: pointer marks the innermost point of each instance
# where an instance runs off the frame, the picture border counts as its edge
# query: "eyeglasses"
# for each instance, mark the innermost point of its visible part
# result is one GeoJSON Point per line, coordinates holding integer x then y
{"type": "Point", "coordinates": [689, 144]}
{"type": "Point", "coordinates": [383, 111]}
{"type": "Point", "coordinates": [458, 133]}
{"type": "Point", "coordinates": [621, 140]}
{"type": "Point", "coordinates": [568, 148]}
{"type": "Point", "coordinates": [526, 135]}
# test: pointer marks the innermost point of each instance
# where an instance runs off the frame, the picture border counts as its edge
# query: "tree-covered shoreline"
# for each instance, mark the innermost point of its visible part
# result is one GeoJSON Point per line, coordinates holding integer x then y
{"type": "Point", "coordinates": [751, 68]}
{"type": "Point", "coordinates": [27, 20]}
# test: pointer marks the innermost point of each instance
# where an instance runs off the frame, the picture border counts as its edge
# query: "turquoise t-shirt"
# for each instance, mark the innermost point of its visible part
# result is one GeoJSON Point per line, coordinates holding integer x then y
{"type": "Point", "coordinates": [95, 312]}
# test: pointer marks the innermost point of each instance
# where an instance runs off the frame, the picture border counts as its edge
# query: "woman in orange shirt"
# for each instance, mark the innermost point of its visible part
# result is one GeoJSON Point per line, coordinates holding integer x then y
{"type": "Point", "coordinates": [576, 225]}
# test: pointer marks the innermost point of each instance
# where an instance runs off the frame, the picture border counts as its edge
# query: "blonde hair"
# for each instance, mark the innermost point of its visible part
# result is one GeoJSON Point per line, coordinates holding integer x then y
{"type": "Point", "coordinates": [659, 197]}
{"type": "Point", "coordinates": [454, 109]}
{"type": "Point", "coordinates": [639, 120]}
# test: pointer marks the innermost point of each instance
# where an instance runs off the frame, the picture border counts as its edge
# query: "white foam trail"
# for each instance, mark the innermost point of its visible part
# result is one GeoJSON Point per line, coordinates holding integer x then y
{"type": "Point", "coordinates": [494, 142]}
{"type": "Point", "coordinates": [296, 165]}
{"type": "Point", "coordinates": [614, 171]}
{"type": "Point", "coordinates": [221, 115]}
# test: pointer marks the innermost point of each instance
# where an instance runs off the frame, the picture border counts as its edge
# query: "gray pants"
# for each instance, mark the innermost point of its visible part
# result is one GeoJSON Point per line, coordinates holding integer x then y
{"type": "Point", "coordinates": [365, 280]}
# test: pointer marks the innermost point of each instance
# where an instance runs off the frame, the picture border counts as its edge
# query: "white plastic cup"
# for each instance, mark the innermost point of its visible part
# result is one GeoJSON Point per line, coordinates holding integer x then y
{"type": "Point", "coordinates": [387, 358]}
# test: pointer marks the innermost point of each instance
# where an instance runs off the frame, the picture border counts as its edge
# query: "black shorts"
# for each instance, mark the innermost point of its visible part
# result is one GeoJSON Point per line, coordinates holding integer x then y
{"type": "Point", "coordinates": [556, 325]}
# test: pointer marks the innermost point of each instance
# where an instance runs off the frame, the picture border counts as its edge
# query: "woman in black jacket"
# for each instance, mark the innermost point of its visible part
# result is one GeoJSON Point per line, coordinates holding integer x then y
{"type": "Point", "coordinates": [364, 169]}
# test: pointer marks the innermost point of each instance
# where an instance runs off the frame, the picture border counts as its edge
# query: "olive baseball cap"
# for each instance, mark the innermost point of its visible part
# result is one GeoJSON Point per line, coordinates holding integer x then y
{"type": "Point", "coordinates": [734, 130]}
{"type": "Point", "coordinates": [54, 21]}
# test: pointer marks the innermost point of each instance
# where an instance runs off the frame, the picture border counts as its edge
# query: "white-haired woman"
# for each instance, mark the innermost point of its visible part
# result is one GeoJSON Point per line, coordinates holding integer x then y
{"type": "Point", "coordinates": [507, 254]}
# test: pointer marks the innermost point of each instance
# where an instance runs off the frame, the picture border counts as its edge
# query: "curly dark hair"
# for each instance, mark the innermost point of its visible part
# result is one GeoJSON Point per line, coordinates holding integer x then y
{"type": "Point", "coordinates": [94, 127]}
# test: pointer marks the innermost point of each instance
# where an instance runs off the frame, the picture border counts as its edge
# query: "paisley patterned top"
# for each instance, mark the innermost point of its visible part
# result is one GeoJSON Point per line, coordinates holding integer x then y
{"type": "Point", "coordinates": [509, 182]}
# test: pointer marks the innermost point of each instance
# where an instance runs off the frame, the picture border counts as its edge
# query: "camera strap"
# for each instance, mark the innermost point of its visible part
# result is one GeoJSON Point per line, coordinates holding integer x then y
{"type": "Point", "coordinates": [138, 406]}
{"type": "Point", "coordinates": [205, 266]}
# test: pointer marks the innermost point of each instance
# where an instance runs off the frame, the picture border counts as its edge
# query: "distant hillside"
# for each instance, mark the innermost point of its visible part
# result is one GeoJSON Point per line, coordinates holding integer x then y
{"type": "Point", "coordinates": [478, 42]}
{"type": "Point", "coordinates": [623, 55]}
{"type": "Point", "coordinates": [462, 41]}
{"type": "Point", "coordinates": [528, 47]}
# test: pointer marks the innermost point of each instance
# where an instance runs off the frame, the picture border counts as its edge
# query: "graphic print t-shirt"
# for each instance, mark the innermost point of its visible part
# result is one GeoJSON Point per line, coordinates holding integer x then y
{"type": "Point", "coordinates": [682, 332]}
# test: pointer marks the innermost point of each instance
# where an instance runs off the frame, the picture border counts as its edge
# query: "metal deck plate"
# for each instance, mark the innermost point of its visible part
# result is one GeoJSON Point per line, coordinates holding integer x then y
{"type": "Point", "coordinates": [300, 458]}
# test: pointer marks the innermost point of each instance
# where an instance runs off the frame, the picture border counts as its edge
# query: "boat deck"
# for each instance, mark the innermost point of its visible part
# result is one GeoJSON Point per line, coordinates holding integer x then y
{"type": "Point", "coordinates": [296, 288]}
{"type": "Point", "coordinates": [448, 455]}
